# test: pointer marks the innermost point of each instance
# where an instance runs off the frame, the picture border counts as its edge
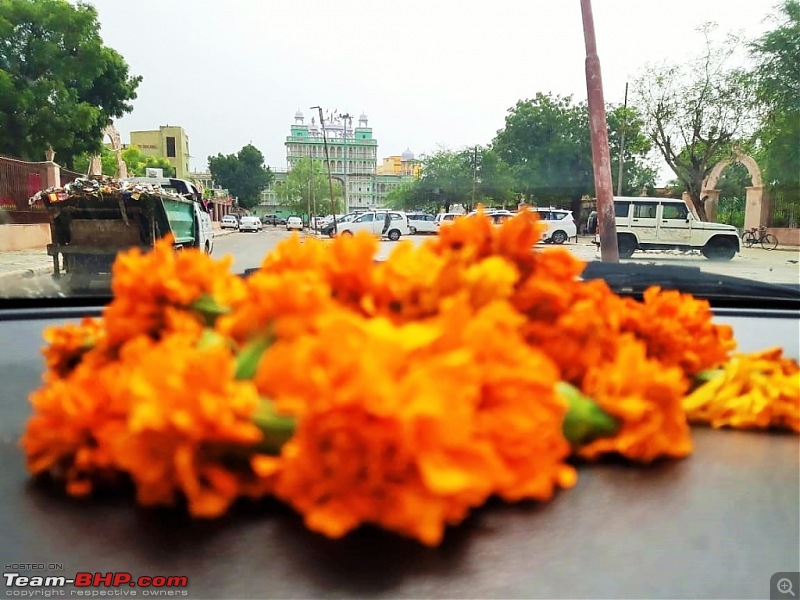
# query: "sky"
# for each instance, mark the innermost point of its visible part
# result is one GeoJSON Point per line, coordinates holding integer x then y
{"type": "Point", "coordinates": [429, 74]}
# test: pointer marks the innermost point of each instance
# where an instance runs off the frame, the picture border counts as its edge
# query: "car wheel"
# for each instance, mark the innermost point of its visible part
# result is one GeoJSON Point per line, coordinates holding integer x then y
{"type": "Point", "coordinates": [559, 237]}
{"type": "Point", "coordinates": [719, 249]}
{"type": "Point", "coordinates": [393, 235]}
{"type": "Point", "coordinates": [346, 233]}
{"type": "Point", "coordinates": [626, 244]}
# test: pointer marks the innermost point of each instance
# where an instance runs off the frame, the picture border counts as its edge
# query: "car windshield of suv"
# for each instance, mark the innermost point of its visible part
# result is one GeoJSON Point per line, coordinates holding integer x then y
{"type": "Point", "coordinates": [413, 299]}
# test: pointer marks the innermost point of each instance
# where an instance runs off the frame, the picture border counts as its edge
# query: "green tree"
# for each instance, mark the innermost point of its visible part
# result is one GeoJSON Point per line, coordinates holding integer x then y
{"type": "Point", "coordinates": [494, 181]}
{"type": "Point", "coordinates": [777, 84]}
{"type": "Point", "coordinates": [138, 163]}
{"type": "Point", "coordinates": [547, 145]}
{"type": "Point", "coordinates": [445, 179]}
{"type": "Point", "coordinates": [59, 84]}
{"type": "Point", "coordinates": [306, 187]}
{"type": "Point", "coordinates": [243, 174]}
{"type": "Point", "coordinates": [695, 111]}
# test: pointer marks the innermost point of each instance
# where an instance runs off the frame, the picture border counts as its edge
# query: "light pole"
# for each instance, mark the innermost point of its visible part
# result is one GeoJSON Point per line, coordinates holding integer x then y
{"type": "Point", "coordinates": [622, 141]}
{"type": "Point", "coordinates": [328, 163]}
{"type": "Point", "coordinates": [345, 118]}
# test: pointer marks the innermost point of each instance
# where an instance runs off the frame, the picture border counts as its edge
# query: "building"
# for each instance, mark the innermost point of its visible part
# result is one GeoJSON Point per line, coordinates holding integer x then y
{"type": "Point", "coordinates": [168, 141]}
{"type": "Point", "coordinates": [352, 153]}
{"type": "Point", "coordinates": [404, 165]}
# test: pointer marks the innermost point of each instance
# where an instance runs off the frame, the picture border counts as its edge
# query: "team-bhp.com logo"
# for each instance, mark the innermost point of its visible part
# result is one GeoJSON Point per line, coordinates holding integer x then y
{"type": "Point", "coordinates": [94, 584]}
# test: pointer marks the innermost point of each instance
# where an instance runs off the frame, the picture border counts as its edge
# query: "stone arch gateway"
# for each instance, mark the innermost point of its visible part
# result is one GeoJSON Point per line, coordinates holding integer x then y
{"type": "Point", "coordinates": [756, 211]}
{"type": "Point", "coordinates": [95, 166]}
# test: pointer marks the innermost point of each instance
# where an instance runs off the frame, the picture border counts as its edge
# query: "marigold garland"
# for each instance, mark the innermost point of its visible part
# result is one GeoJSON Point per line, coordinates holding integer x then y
{"type": "Point", "coordinates": [400, 394]}
{"type": "Point", "coordinates": [752, 391]}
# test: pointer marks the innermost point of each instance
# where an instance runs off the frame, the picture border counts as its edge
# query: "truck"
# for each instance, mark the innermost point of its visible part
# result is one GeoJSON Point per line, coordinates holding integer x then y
{"type": "Point", "coordinates": [93, 219]}
{"type": "Point", "coordinates": [647, 224]}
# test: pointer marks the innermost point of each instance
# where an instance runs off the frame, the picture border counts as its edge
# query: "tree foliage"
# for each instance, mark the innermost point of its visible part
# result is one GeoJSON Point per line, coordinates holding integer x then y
{"type": "Point", "coordinates": [243, 174]}
{"type": "Point", "coordinates": [546, 143]}
{"type": "Point", "coordinates": [695, 111]}
{"type": "Point", "coordinates": [59, 84]}
{"type": "Point", "coordinates": [777, 84]}
{"type": "Point", "coordinates": [306, 187]}
{"type": "Point", "coordinates": [138, 163]}
{"type": "Point", "coordinates": [466, 177]}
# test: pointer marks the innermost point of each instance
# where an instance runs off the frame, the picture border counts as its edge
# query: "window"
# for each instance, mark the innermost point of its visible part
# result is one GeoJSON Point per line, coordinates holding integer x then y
{"type": "Point", "coordinates": [364, 218]}
{"type": "Point", "coordinates": [674, 211]}
{"type": "Point", "coordinates": [621, 209]}
{"type": "Point", "coordinates": [171, 147]}
{"type": "Point", "coordinates": [644, 210]}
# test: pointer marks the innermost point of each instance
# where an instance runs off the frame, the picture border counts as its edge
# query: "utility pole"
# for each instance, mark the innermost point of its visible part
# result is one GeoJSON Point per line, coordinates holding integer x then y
{"type": "Point", "coordinates": [622, 141]}
{"type": "Point", "coordinates": [598, 128]}
{"type": "Point", "coordinates": [474, 173]}
{"type": "Point", "coordinates": [345, 118]}
{"type": "Point", "coordinates": [328, 163]}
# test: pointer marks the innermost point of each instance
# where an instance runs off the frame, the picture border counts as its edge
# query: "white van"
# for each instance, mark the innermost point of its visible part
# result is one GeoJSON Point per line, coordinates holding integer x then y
{"type": "Point", "coordinates": [374, 221]}
{"type": "Point", "coordinates": [668, 224]}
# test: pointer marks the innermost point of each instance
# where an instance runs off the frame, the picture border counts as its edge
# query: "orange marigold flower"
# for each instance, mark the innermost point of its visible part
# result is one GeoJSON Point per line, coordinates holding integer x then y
{"type": "Point", "coordinates": [576, 325]}
{"type": "Point", "coordinates": [678, 330]}
{"type": "Point", "coordinates": [645, 396]}
{"type": "Point", "coordinates": [144, 284]}
{"type": "Point", "coordinates": [68, 343]}
{"type": "Point", "coordinates": [284, 303]}
{"type": "Point", "coordinates": [470, 237]}
{"type": "Point", "coordinates": [157, 414]}
{"type": "Point", "coordinates": [754, 391]}
{"type": "Point", "coordinates": [408, 426]}
{"type": "Point", "coordinates": [516, 237]}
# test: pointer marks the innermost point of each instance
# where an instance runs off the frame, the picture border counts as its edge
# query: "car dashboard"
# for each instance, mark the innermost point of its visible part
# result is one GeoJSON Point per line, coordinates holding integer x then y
{"type": "Point", "coordinates": [718, 524]}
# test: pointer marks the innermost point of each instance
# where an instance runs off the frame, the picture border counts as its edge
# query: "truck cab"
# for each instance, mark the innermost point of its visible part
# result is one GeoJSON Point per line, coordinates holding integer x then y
{"type": "Point", "coordinates": [199, 232]}
{"type": "Point", "coordinates": [667, 224]}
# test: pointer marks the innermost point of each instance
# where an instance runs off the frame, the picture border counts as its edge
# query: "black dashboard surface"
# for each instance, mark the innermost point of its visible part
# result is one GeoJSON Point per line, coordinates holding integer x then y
{"type": "Point", "coordinates": [716, 525]}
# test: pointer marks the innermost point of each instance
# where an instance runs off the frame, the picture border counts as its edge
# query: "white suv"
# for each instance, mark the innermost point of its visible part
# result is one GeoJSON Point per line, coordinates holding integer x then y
{"type": "Point", "coordinates": [375, 222]}
{"type": "Point", "coordinates": [560, 225]}
{"type": "Point", "coordinates": [668, 224]}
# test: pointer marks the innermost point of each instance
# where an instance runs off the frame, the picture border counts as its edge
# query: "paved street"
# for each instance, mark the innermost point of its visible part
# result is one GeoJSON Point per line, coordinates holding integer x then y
{"type": "Point", "coordinates": [27, 273]}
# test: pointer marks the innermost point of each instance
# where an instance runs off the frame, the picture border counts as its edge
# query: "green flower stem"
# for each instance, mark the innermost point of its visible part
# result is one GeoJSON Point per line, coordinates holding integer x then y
{"type": "Point", "coordinates": [277, 429]}
{"type": "Point", "coordinates": [585, 420]}
{"type": "Point", "coordinates": [249, 357]}
{"type": "Point", "coordinates": [704, 377]}
{"type": "Point", "coordinates": [209, 308]}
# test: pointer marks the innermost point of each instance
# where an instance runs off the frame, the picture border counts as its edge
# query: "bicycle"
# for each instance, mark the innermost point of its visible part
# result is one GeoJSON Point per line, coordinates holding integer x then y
{"type": "Point", "coordinates": [759, 235]}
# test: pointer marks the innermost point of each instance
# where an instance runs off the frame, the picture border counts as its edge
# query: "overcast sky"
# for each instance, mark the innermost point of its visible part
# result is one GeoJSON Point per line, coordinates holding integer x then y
{"type": "Point", "coordinates": [428, 74]}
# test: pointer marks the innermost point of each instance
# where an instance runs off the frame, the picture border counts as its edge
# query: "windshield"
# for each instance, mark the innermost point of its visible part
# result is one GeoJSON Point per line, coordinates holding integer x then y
{"type": "Point", "coordinates": [701, 107]}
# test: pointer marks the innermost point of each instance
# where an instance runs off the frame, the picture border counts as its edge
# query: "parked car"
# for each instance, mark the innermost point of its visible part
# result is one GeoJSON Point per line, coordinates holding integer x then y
{"type": "Point", "coordinates": [229, 222]}
{"type": "Point", "coordinates": [294, 223]}
{"type": "Point", "coordinates": [327, 227]}
{"type": "Point", "coordinates": [668, 224]}
{"type": "Point", "coordinates": [250, 224]}
{"type": "Point", "coordinates": [375, 222]}
{"type": "Point", "coordinates": [560, 223]}
{"type": "Point", "coordinates": [445, 217]}
{"type": "Point", "coordinates": [421, 223]}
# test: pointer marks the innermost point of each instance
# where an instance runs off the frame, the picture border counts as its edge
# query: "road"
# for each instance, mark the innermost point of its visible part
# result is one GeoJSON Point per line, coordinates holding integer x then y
{"type": "Point", "coordinates": [249, 249]}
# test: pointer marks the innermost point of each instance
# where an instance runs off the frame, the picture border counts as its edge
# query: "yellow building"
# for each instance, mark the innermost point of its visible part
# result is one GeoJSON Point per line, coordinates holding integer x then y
{"type": "Point", "coordinates": [404, 165]}
{"type": "Point", "coordinates": [168, 141]}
